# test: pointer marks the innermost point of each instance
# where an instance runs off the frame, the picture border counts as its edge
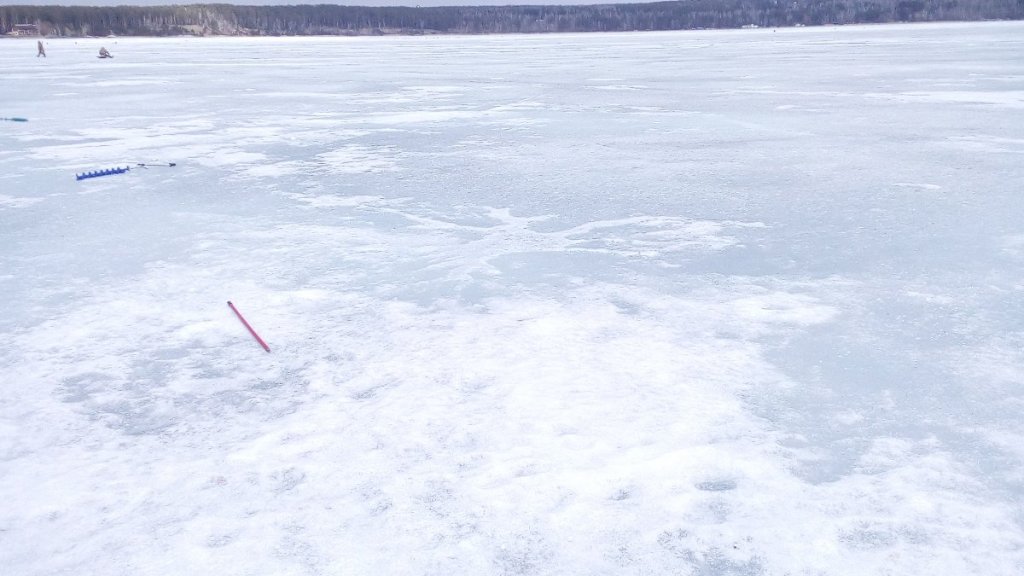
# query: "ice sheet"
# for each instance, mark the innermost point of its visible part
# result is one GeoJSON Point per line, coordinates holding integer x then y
{"type": "Point", "coordinates": [719, 302]}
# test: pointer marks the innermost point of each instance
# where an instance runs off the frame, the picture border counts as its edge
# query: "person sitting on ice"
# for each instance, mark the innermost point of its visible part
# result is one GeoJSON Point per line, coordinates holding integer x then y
{"type": "Point", "coordinates": [104, 53]}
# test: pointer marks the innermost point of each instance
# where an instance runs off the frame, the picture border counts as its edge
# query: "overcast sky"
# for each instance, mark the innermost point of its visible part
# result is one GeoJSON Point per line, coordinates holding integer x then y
{"type": "Point", "coordinates": [353, 3]}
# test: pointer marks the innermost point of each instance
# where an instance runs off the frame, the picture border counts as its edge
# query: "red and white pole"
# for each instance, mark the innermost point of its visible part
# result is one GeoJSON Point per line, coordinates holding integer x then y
{"type": "Point", "coordinates": [251, 331]}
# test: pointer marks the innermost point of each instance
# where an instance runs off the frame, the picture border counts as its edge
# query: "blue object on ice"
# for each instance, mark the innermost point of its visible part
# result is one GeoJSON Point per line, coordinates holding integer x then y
{"type": "Point", "coordinates": [98, 173]}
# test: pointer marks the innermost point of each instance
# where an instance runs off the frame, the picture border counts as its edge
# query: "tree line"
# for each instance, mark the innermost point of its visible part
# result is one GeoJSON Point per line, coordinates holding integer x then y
{"type": "Point", "coordinates": [226, 19]}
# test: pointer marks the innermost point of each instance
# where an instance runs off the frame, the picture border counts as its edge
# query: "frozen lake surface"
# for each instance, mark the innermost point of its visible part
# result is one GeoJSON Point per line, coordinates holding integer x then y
{"type": "Point", "coordinates": [709, 303]}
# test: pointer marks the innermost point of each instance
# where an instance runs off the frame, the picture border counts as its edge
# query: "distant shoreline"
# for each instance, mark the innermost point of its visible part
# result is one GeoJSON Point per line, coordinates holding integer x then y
{"type": "Point", "coordinates": [322, 36]}
{"type": "Point", "coordinates": [226, 20]}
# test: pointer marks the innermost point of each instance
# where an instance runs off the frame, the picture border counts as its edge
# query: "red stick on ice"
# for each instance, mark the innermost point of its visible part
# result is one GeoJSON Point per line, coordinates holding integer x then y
{"type": "Point", "coordinates": [251, 331]}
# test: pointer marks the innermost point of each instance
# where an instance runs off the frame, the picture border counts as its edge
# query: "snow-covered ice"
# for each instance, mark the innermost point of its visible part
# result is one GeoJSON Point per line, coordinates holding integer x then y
{"type": "Point", "coordinates": [720, 302]}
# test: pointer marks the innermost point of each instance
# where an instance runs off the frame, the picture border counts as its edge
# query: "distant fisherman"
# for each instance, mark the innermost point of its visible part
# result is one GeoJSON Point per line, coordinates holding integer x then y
{"type": "Point", "coordinates": [104, 53]}
{"type": "Point", "coordinates": [42, 51]}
